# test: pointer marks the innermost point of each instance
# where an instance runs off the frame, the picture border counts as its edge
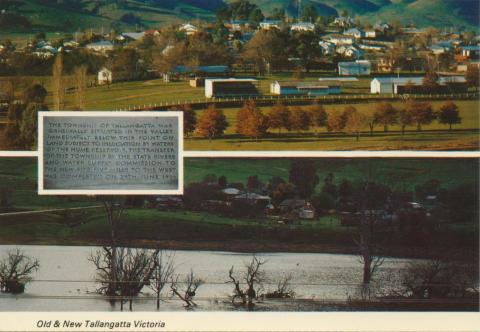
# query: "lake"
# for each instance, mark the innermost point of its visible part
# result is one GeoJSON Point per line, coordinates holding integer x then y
{"type": "Point", "coordinates": [65, 280]}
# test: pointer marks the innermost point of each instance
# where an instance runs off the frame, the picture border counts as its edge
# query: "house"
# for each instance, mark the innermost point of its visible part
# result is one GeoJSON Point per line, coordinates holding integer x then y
{"type": "Point", "coordinates": [354, 32]}
{"type": "Point", "coordinates": [303, 88]}
{"type": "Point", "coordinates": [189, 29]}
{"type": "Point", "coordinates": [270, 24]}
{"type": "Point", "coordinates": [356, 68]}
{"type": "Point", "coordinates": [371, 47]}
{"type": "Point", "coordinates": [340, 39]}
{"type": "Point", "coordinates": [298, 208]}
{"type": "Point", "coordinates": [104, 76]}
{"type": "Point", "coordinates": [385, 65]}
{"type": "Point", "coordinates": [152, 33]}
{"type": "Point", "coordinates": [370, 33]}
{"type": "Point", "coordinates": [237, 25]}
{"type": "Point", "coordinates": [327, 48]}
{"type": "Point", "coordinates": [350, 51]}
{"type": "Point", "coordinates": [220, 87]}
{"type": "Point", "coordinates": [471, 52]}
{"type": "Point", "coordinates": [100, 46]}
{"type": "Point", "coordinates": [382, 27]}
{"type": "Point", "coordinates": [132, 36]}
{"type": "Point", "coordinates": [342, 21]}
{"type": "Point", "coordinates": [302, 26]}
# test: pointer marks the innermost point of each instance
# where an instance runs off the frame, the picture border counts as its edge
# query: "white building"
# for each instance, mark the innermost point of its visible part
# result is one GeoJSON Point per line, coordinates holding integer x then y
{"type": "Point", "coordinates": [380, 85]}
{"type": "Point", "coordinates": [354, 68]}
{"type": "Point", "coordinates": [354, 32]}
{"type": "Point", "coordinates": [370, 33]}
{"type": "Point", "coordinates": [341, 39]}
{"type": "Point", "coordinates": [104, 76]}
{"type": "Point", "coordinates": [270, 24]}
{"type": "Point", "coordinates": [100, 46]}
{"type": "Point", "coordinates": [189, 29]}
{"type": "Point", "coordinates": [302, 26]}
{"type": "Point", "coordinates": [327, 47]}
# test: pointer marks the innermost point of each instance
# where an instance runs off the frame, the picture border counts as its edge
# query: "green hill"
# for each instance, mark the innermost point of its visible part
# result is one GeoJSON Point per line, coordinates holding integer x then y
{"type": "Point", "coordinates": [76, 15]}
{"type": "Point", "coordinates": [438, 13]}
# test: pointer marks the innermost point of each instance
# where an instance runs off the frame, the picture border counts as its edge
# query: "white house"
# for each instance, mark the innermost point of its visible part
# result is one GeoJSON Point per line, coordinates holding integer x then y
{"type": "Point", "coordinates": [189, 29]}
{"type": "Point", "coordinates": [355, 32]}
{"type": "Point", "coordinates": [270, 24]}
{"type": "Point", "coordinates": [302, 26]}
{"type": "Point", "coordinates": [100, 46]}
{"type": "Point", "coordinates": [341, 39]}
{"type": "Point", "coordinates": [370, 33]}
{"type": "Point", "coordinates": [343, 21]}
{"type": "Point", "coordinates": [380, 85]}
{"type": "Point", "coordinates": [350, 51]}
{"type": "Point", "coordinates": [104, 76]}
{"type": "Point", "coordinates": [354, 68]}
{"type": "Point", "coordinates": [327, 47]}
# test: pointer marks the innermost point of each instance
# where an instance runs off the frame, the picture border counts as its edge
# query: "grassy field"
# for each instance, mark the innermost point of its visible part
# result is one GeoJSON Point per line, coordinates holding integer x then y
{"type": "Point", "coordinates": [139, 94]}
{"type": "Point", "coordinates": [203, 230]}
{"type": "Point", "coordinates": [434, 136]}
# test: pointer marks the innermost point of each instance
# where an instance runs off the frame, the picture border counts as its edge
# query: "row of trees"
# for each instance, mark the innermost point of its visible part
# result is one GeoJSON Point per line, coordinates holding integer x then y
{"type": "Point", "coordinates": [252, 122]}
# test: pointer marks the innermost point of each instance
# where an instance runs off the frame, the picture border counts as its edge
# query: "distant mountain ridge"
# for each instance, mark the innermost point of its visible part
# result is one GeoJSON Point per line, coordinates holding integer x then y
{"type": "Point", "coordinates": [74, 15]}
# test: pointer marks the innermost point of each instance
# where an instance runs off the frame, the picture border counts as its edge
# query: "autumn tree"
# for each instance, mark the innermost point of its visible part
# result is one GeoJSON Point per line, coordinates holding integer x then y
{"type": "Point", "coordinates": [303, 174]}
{"type": "Point", "coordinates": [265, 50]}
{"type": "Point", "coordinates": [355, 123]}
{"type": "Point", "coordinates": [250, 121]}
{"type": "Point", "coordinates": [386, 115]}
{"type": "Point", "coordinates": [58, 88]}
{"type": "Point", "coordinates": [430, 81]}
{"type": "Point", "coordinates": [335, 121]}
{"type": "Point", "coordinates": [212, 122]}
{"type": "Point", "coordinates": [299, 119]}
{"type": "Point", "coordinates": [80, 86]}
{"type": "Point", "coordinates": [318, 115]}
{"type": "Point", "coordinates": [189, 118]}
{"type": "Point", "coordinates": [421, 113]}
{"type": "Point", "coordinates": [278, 117]}
{"type": "Point", "coordinates": [449, 114]}
{"type": "Point", "coordinates": [472, 76]}
{"type": "Point", "coordinates": [405, 119]}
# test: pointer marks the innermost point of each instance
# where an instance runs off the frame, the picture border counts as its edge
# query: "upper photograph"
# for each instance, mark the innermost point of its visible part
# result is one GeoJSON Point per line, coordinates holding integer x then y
{"type": "Point", "coordinates": [286, 75]}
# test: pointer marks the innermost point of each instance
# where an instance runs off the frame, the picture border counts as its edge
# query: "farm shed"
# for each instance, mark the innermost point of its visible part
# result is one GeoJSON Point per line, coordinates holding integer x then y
{"type": "Point", "coordinates": [303, 88]}
{"type": "Point", "coordinates": [354, 68]}
{"type": "Point", "coordinates": [219, 87]}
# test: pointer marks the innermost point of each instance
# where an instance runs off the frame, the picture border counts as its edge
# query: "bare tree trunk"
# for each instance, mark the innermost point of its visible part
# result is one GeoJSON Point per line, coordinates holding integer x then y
{"type": "Point", "coordinates": [58, 90]}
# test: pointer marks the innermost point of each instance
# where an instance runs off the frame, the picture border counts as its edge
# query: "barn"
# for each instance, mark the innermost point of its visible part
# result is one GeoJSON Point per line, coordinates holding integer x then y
{"type": "Point", "coordinates": [225, 87]}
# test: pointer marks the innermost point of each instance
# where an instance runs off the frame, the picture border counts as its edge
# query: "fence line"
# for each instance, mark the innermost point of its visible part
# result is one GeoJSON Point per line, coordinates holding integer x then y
{"type": "Point", "coordinates": [268, 100]}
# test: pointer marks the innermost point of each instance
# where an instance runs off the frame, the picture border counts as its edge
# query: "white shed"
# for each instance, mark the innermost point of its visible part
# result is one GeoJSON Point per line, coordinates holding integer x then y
{"type": "Point", "coordinates": [381, 85]}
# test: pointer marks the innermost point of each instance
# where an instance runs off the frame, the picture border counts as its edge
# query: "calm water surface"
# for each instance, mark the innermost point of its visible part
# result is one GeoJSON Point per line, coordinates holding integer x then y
{"type": "Point", "coordinates": [65, 280]}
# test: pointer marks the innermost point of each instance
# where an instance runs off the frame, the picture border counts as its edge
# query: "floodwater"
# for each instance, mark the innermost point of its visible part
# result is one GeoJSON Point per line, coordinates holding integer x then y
{"type": "Point", "coordinates": [65, 280]}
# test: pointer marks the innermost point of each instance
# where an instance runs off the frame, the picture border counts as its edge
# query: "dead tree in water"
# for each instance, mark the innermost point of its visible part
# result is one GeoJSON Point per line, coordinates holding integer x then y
{"type": "Point", "coordinates": [133, 268]}
{"type": "Point", "coordinates": [253, 277]}
{"type": "Point", "coordinates": [162, 274]}
{"type": "Point", "coordinates": [15, 271]}
{"type": "Point", "coordinates": [188, 292]}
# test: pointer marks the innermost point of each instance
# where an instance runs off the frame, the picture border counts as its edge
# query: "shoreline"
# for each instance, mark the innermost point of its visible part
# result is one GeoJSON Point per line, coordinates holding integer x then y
{"type": "Point", "coordinates": [235, 247]}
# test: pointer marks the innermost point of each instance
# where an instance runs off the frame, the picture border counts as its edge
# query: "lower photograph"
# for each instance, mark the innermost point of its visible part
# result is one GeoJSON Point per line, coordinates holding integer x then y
{"type": "Point", "coordinates": [248, 234]}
